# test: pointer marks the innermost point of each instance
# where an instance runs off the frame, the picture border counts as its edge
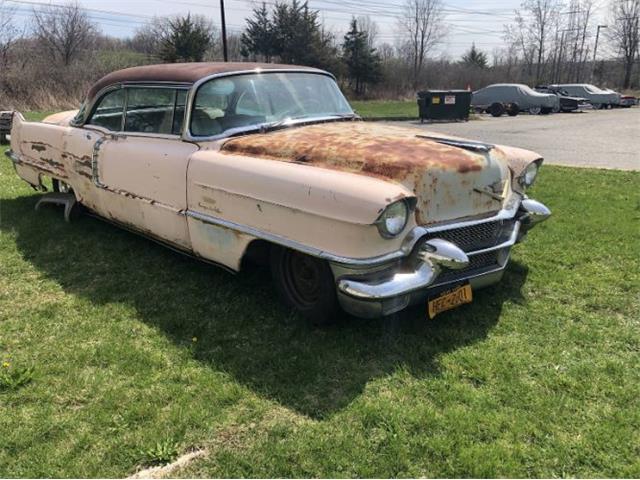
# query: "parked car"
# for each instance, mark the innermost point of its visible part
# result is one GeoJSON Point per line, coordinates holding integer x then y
{"type": "Point", "coordinates": [520, 97]}
{"type": "Point", "coordinates": [5, 126]}
{"type": "Point", "coordinates": [598, 98]}
{"type": "Point", "coordinates": [567, 102]}
{"type": "Point", "coordinates": [230, 162]}
{"type": "Point", "coordinates": [628, 101]}
{"type": "Point", "coordinates": [615, 95]}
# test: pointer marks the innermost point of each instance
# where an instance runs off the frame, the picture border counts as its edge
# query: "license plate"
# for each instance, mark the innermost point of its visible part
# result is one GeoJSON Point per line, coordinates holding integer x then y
{"type": "Point", "coordinates": [450, 299]}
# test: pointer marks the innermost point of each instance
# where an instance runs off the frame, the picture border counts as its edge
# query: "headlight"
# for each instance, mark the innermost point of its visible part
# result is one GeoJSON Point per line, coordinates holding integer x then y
{"type": "Point", "coordinates": [393, 220]}
{"type": "Point", "coordinates": [528, 176]}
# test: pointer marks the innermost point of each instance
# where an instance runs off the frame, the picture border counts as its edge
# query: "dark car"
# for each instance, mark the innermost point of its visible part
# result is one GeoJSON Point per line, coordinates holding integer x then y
{"type": "Point", "coordinates": [567, 102]}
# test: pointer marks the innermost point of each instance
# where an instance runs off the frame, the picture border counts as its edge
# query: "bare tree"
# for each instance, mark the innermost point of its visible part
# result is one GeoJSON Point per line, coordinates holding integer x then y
{"type": "Point", "coordinates": [535, 24]}
{"type": "Point", "coordinates": [8, 32]}
{"type": "Point", "coordinates": [421, 25]}
{"type": "Point", "coordinates": [624, 33]}
{"type": "Point", "coordinates": [370, 27]}
{"type": "Point", "coordinates": [64, 30]}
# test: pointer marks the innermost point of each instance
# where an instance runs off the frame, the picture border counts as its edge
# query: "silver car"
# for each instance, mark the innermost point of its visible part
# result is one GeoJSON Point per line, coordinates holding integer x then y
{"type": "Point", "coordinates": [599, 98]}
{"type": "Point", "coordinates": [515, 96]}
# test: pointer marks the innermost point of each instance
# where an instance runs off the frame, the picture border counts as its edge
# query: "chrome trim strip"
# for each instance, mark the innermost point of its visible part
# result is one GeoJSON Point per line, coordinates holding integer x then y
{"type": "Point", "coordinates": [294, 245]}
{"type": "Point", "coordinates": [95, 172]}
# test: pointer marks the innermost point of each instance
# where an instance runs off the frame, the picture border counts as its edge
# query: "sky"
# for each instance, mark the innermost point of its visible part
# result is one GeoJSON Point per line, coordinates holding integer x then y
{"type": "Point", "coordinates": [480, 22]}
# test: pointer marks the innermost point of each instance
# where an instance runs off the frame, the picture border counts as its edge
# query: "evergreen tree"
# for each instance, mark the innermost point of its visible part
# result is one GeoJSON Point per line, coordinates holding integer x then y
{"type": "Point", "coordinates": [291, 32]}
{"type": "Point", "coordinates": [475, 58]}
{"type": "Point", "coordinates": [185, 41]}
{"type": "Point", "coordinates": [258, 39]}
{"type": "Point", "coordinates": [362, 61]}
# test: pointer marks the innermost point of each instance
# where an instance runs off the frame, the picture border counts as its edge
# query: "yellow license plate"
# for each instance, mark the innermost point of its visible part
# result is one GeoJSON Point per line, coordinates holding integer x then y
{"type": "Point", "coordinates": [450, 299]}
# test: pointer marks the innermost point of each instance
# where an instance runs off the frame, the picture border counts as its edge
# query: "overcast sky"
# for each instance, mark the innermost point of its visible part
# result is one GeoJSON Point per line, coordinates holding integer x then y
{"type": "Point", "coordinates": [467, 21]}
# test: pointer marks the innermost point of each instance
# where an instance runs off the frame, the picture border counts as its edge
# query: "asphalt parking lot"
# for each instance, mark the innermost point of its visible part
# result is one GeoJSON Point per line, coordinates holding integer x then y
{"type": "Point", "coordinates": [601, 139]}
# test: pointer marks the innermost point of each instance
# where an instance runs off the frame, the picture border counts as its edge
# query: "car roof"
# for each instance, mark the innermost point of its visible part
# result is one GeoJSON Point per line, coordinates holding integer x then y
{"type": "Point", "coordinates": [507, 85]}
{"type": "Point", "coordinates": [184, 73]}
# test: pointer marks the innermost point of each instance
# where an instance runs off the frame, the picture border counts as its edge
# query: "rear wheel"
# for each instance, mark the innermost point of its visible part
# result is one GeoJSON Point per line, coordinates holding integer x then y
{"type": "Point", "coordinates": [513, 110]}
{"type": "Point", "coordinates": [535, 110]}
{"type": "Point", "coordinates": [556, 109]}
{"type": "Point", "coordinates": [3, 139]}
{"type": "Point", "coordinates": [305, 283]}
{"type": "Point", "coordinates": [496, 109]}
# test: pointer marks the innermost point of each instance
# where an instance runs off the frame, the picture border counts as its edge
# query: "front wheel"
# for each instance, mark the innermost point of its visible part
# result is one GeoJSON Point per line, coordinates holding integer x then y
{"type": "Point", "coordinates": [305, 283]}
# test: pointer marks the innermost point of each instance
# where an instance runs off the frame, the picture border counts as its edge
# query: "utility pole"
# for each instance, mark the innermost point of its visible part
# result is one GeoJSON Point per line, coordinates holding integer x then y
{"type": "Point", "coordinates": [595, 51]}
{"type": "Point", "coordinates": [225, 55]}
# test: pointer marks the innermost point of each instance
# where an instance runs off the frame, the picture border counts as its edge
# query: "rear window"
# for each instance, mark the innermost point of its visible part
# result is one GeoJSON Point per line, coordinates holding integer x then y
{"type": "Point", "coordinates": [155, 110]}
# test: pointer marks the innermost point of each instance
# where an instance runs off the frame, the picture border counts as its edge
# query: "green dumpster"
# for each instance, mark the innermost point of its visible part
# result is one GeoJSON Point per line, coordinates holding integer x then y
{"type": "Point", "coordinates": [444, 104]}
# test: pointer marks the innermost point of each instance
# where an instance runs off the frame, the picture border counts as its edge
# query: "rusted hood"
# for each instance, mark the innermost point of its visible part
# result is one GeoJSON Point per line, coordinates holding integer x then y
{"type": "Point", "coordinates": [445, 178]}
{"type": "Point", "coordinates": [369, 148]}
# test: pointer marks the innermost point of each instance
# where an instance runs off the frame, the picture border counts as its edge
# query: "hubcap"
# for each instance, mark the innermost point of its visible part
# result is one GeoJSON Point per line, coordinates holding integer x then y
{"type": "Point", "coordinates": [302, 275]}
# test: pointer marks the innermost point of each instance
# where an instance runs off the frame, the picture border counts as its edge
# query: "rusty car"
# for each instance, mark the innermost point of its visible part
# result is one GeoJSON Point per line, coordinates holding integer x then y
{"type": "Point", "coordinates": [230, 162]}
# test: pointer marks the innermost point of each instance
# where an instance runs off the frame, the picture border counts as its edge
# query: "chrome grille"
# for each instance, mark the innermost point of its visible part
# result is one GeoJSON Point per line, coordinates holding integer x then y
{"type": "Point", "coordinates": [477, 237]}
{"type": "Point", "coordinates": [477, 264]}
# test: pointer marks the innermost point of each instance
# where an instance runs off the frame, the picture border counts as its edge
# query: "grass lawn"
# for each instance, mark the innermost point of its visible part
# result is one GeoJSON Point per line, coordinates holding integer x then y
{"type": "Point", "coordinates": [386, 109]}
{"type": "Point", "coordinates": [139, 353]}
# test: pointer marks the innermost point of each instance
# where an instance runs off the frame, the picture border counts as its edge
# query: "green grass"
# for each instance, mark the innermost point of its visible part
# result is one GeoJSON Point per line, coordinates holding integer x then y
{"type": "Point", "coordinates": [138, 352]}
{"type": "Point", "coordinates": [372, 109]}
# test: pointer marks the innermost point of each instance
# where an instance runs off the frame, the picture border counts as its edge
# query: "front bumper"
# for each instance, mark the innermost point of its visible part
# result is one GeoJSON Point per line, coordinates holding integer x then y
{"type": "Point", "coordinates": [476, 251]}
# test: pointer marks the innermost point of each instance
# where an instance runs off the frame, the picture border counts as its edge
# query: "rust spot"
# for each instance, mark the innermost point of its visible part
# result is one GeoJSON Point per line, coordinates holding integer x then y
{"type": "Point", "coordinates": [375, 150]}
{"type": "Point", "coordinates": [38, 147]}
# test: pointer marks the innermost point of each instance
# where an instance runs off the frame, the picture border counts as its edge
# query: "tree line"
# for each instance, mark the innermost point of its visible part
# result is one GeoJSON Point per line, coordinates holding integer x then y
{"type": "Point", "coordinates": [52, 61]}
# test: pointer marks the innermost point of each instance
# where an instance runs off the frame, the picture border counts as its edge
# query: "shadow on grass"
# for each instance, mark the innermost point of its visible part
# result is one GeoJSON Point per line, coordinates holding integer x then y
{"type": "Point", "coordinates": [241, 327]}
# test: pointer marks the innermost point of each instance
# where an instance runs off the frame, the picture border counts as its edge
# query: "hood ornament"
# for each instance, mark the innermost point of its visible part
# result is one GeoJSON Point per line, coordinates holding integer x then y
{"type": "Point", "coordinates": [464, 144]}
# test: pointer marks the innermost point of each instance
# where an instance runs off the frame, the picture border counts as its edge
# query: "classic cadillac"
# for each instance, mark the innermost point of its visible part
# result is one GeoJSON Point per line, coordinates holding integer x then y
{"type": "Point", "coordinates": [230, 162]}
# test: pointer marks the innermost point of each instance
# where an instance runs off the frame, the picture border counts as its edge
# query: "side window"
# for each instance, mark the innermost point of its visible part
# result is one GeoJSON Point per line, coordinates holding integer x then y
{"type": "Point", "coordinates": [108, 113]}
{"type": "Point", "coordinates": [150, 110]}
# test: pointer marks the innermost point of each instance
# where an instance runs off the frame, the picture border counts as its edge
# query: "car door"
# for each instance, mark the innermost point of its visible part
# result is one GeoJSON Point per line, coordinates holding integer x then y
{"type": "Point", "coordinates": [139, 161]}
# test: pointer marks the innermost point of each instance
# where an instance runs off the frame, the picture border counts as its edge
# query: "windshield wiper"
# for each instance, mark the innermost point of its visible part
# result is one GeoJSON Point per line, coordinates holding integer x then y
{"type": "Point", "coordinates": [268, 127]}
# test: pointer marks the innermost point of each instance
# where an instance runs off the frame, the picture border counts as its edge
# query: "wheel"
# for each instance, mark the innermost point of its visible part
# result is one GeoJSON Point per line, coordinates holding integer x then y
{"type": "Point", "coordinates": [546, 111]}
{"type": "Point", "coordinates": [597, 106]}
{"type": "Point", "coordinates": [513, 110]}
{"type": "Point", "coordinates": [557, 109]}
{"type": "Point", "coordinates": [535, 110]}
{"type": "Point", "coordinates": [305, 283]}
{"type": "Point", "coordinates": [496, 109]}
{"type": "Point", "coordinates": [3, 139]}
{"type": "Point", "coordinates": [60, 186]}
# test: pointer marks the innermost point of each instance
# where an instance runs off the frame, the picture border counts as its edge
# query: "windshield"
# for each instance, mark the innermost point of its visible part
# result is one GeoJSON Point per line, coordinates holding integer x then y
{"type": "Point", "coordinates": [245, 101]}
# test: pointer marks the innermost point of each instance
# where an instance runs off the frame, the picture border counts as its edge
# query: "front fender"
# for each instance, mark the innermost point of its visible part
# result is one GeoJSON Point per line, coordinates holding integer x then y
{"type": "Point", "coordinates": [311, 209]}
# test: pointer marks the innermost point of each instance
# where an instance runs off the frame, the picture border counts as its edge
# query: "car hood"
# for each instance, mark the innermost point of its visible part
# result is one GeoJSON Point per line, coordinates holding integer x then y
{"type": "Point", "coordinates": [450, 182]}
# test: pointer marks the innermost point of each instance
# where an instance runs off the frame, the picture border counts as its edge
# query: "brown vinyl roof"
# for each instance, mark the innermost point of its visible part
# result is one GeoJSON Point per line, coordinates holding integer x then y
{"type": "Point", "coordinates": [182, 72]}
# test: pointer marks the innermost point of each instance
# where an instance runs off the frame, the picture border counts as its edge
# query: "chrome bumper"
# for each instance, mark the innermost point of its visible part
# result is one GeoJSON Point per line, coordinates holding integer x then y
{"type": "Point", "coordinates": [431, 267]}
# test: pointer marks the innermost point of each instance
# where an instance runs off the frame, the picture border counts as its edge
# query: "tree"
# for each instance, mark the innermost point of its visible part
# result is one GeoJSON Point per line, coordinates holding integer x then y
{"type": "Point", "coordinates": [475, 58]}
{"type": "Point", "coordinates": [370, 27]}
{"type": "Point", "coordinates": [258, 39]}
{"type": "Point", "coordinates": [291, 32]}
{"type": "Point", "coordinates": [8, 33]}
{"type": "Point", "coordinates": [624, 33]}
{"type": "Point", "coordinates": [187, 39]}
{"type": "Point", "coordinates": [362, 61]}
{"type": "Point", "coordinates": [533, 29]}
{"type": "Point", "coordinates": [421, 25]}
{"type": "Point", "coordinates": [64, 30]}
